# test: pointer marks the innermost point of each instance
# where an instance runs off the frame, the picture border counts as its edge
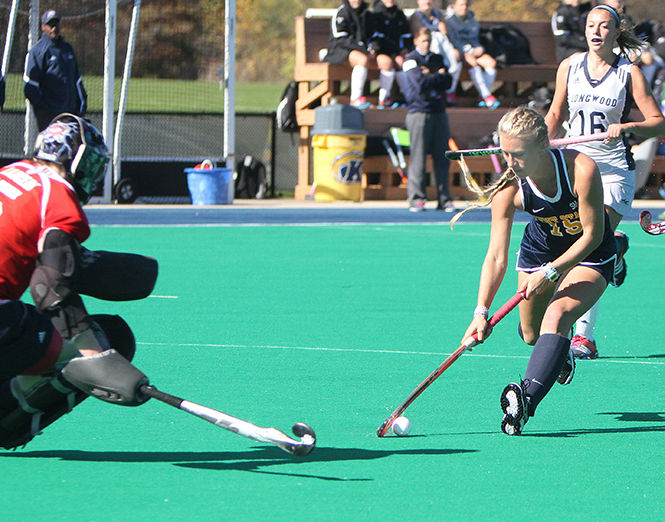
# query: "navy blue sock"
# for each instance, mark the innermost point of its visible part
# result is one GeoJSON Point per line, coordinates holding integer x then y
{"type": "Point", "coordinates": [7, 400]}
{"type": "Point", "coordinates": [545, 363]}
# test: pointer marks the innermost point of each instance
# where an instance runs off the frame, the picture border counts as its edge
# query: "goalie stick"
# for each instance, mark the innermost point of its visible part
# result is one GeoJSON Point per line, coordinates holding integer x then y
{"type": "Point", "coordinates": [560, 142]}
{"type": "Point", "coordinates": [246, 429]}
{"type": "Point", "coordinates": [655, 229]}
{"type": "Point", "coordinates": [466, 345]}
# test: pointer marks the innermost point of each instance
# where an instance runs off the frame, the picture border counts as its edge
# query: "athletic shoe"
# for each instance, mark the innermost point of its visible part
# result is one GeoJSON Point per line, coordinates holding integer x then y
{"type": "Point", "coordinates": [568, 369]}
{"type": "Point", "coordinates": [620, 267]}
{"type": "Point", "coordinates": [515, 406]}
{"type": "Point", "coordinates": [583, 348]}
{"type": "Point", "coordinates": [491, 102]}
{"type": "Point", "coordinates": [447, 206]}
{"type": "Point", "coordinates": [385, 104]}
{"type": "Point", "coordinates": [417, 206]}
{"type": "Point", "coordinates": [361, 103]}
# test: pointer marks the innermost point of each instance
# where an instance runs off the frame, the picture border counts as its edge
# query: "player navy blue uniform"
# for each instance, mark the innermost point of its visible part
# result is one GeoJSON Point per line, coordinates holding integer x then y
{"type": "Point", "coordinates": [565, 262]}
{"type": "Point", "coordinates": [556, 226]}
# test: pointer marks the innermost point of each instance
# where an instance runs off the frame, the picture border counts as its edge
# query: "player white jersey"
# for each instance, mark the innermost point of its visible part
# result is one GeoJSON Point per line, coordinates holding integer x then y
{"type": "Point", "coordinates": [595, 104]}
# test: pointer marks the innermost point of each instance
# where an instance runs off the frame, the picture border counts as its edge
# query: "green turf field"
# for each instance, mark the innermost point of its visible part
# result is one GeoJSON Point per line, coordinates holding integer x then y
{"type": "Point", "coordinates": [335, 326]}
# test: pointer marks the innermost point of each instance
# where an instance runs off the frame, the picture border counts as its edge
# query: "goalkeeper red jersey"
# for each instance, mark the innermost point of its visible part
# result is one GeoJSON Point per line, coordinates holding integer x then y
{"type": "Point", "coordinates": [33, 199]}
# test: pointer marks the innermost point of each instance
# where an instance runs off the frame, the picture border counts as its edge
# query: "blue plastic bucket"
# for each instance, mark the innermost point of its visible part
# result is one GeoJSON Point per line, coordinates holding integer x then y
{"type": "Point", "coordinates": [209, 186]}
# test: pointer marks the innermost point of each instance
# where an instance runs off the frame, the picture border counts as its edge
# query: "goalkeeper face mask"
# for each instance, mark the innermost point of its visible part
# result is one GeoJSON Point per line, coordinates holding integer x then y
{"type": "Point", "coordinates": [79, 147]}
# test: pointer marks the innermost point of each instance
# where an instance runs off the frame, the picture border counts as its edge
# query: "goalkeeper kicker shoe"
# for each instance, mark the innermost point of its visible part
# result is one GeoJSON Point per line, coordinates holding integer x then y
{"type": "Point", "coordinates": [567, 370]}
{"type": "Point", "coordinates": [515, 406]}
{"type": "Point", "coordinates": [583, 348]}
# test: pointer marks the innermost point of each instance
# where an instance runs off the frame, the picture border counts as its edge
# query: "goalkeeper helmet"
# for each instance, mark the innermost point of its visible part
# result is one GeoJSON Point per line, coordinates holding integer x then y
{"type": "Point", "coordinates": [75, 144]}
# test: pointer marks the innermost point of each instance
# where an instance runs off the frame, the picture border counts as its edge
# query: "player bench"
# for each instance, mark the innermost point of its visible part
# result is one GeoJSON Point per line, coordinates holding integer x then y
{"type": "Point", "coordinates": [320, 82]}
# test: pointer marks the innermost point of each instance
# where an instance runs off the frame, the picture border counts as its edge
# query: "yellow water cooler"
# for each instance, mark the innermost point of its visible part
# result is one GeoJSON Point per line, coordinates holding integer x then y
{"type": "Point", "coordinates": [338, 148]}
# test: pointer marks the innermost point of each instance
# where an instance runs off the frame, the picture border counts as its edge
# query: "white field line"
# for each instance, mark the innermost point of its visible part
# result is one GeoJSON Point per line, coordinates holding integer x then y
{"type": "Point", "coordinates": [376, 350]}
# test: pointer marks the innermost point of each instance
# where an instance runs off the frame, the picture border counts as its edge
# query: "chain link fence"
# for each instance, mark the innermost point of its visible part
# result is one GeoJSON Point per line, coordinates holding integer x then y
{"type": "Point", "coordinates": [174, 118]}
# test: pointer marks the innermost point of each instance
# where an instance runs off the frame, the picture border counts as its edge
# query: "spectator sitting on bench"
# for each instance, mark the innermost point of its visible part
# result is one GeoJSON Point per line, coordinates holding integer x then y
{"type": "Point", "coordinates": [464, 34]}
{"type": "Point", "coordinates": [348, 42]}
{"type": "Point", "coordinates": [390, 42]}
{"type": "Point", "coordinates": [434, 20]}
{"type": "Point", "coordinates": [568, 22]}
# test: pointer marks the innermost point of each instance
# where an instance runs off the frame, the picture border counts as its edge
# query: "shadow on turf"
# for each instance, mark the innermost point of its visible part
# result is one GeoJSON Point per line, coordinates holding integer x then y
{"type": "Point", "coordinates": [652, 356]}
{"type": "Point", "coordinates": [624, 416]}
{"type": "Point", "coordinates": [637, 416]}
{"type": "Point", "coordinates": [252, 460]}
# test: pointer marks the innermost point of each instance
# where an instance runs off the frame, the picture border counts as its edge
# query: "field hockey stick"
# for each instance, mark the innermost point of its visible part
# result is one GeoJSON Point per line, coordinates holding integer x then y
{"type": "Point", "coordinates": [655, 229]}
{"type": "Point", "coordinates": [393, 160]}
{"type": "Point", "coordinates": [270, 435]}
{"type": "Point", "coordinates": [559, 142]}
{"type": "Point", "coordinates": [467, 344]}
{"type": "Point", "coordinates": [470, 180]}
{"type": "Point", "coordinates": [394, 132]}
{"type": "Point", "coordinates": [496, 164]}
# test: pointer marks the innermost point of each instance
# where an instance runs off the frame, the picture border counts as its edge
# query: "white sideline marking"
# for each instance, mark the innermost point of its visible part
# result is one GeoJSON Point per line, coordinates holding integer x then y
{"type": "Point", "coordinates": [370, 350]}
{"type": "Point", "coordinates": [165, 296]}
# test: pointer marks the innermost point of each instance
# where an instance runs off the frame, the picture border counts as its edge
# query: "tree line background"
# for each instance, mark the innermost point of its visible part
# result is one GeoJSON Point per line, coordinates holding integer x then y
{"type": "Point", "coordinates": [184, 39]}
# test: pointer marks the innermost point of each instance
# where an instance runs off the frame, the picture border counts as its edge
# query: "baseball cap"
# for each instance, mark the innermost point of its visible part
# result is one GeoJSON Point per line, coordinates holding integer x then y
{"type": "Point", "coordinates": [49, 16]}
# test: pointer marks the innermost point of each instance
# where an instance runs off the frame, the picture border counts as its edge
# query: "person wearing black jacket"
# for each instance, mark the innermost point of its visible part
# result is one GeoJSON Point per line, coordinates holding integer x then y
{"type": "Point", "coordinates": [390, 41]}
{"type": "Point", "coordinates": [427, 122]}
{"type": "Point", "coordinates": [349, 42]}
{"type": "Point", "coordinates": [52, 81]}
{"type": "Point", "coordinates": [568, 22]}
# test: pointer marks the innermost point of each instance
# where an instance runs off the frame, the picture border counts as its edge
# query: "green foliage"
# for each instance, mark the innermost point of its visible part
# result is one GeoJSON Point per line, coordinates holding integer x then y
{"type": "Point", "coordinates": [171, 44]}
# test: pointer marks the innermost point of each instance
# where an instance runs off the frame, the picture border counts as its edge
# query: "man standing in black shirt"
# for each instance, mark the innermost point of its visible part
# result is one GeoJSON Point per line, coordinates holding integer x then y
{"type": "Point", "coordinates": [427, 79]}
{"type": "Point", "coordinates": [51, 80]}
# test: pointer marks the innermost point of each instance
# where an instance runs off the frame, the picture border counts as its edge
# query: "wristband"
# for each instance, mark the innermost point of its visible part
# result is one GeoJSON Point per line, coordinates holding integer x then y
{"type": "Point", "coordinates": [481, 311]}
{"type": "Point", "coordinates": [467, 48]}
{"type": "Point", "coordinates": [551, 273]}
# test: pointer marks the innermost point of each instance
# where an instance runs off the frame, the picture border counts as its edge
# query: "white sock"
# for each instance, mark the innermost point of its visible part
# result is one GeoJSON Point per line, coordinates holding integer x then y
{"type": "Point", "coordinates": [489, 75]}
{"type": "Point", "coordinates": [586, 324]}
{"type": "Point", "coordinates": [400, 76]}
{"type": "Point", "coordinates": [386, 79]}
{"type": "Point", "coordinates": [358, 77]}
{"type": "Point", "coordinates": [478, 80]}
{"type": "Point", "coordinates": [453, 85]}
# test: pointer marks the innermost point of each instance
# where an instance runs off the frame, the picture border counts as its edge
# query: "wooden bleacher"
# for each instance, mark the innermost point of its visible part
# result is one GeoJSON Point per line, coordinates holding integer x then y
{"type": "Point", "coordinates": [320, 82]}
